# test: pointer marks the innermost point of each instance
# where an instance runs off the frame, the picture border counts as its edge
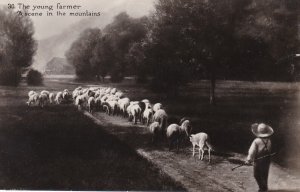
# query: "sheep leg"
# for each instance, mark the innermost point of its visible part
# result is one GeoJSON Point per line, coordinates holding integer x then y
{"type": "Point", "coordinates": [193, 150]}
{"type": "Point", "coordinates": [199, 152]}
{"type": "Point", "coordinates": [209, 154]}
{"type": "Point", "coordinates": [202, 154]}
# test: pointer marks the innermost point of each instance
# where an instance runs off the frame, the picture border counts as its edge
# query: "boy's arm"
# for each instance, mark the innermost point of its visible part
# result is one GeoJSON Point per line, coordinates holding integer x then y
{"type": "Point", "coordinates": [252, 152]}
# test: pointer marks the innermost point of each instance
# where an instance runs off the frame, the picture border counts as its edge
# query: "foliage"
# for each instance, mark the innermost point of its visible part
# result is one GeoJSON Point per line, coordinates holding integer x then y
{"type": "Point", "coordinates": [103, 57]}
{"type": "Point", "coordinates": [34, 77]}
{"type": "Point", "coordinates": [10, 75]}
{"type": "Point", "coordinates": [123, 33]}
{"type": "Point", "coordinates": [94, 54]}
{"type": "Point", "coordinates": [81, 52]}
{"type": "Point", "coordinates": [17, 45]}
{"type": "Point", "coordinates": [214, 39]}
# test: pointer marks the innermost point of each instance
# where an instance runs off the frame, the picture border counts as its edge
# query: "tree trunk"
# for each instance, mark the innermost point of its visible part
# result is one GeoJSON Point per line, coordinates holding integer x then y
{"type": "Point", "coordinates": [212, 99]}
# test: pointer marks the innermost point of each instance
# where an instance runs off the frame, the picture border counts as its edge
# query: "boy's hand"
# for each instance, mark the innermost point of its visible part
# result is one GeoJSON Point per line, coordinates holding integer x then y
{"type": "Point", "coordinates": [247, 162]}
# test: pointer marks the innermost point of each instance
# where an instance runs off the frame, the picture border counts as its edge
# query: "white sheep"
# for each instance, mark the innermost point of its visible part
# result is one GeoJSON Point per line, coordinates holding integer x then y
{"type": "Point", "coordinates": [42, 100]}
{"type": "Point", "coordinates": [155, 129]}
{"type": "Point", "coordinates": [157, 106]}
{"type": "Point", "coordinates": [80, 101]}
{"type": "Point", "coordinates": [119, 94]}
{"type": "Point", "coordinates": [123, 104]}
{"type": "Point", "coordinates": [147, 115]}
{"type": "Point", "coordinates": [59, 98]}
{"type": "Point", "coordinates": [173, 135]}
{"type": "Point", "coordinates": [161, 117]}
{"type": "Point", "coordinates": [31, 93]}
{"type": "Point", "coordinates": [135, 113]}
{"type": "Point", "coordinates": [112, 106]}
{"type": "Point", "coordinates": [176, 133]}
{"type": "Point", "coordinates": [45, 92]}
{"type": "Point", "coordinates": [52, 98]}
{"type": "Point", "coordinates": [33, 98]}
{"type": "Point", "coordinates": [201, 140]}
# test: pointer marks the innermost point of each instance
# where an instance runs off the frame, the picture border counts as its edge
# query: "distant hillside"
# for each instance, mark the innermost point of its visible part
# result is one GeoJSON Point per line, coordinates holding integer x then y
{"type": "Point", "coordinates": [57, 45]}
{"type": "Point", "coordinates": [59, 66]}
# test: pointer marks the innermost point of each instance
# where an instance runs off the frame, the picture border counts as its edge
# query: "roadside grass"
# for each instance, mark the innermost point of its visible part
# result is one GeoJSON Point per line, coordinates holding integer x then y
{"type": "Point", "coordinates": [58, 148]}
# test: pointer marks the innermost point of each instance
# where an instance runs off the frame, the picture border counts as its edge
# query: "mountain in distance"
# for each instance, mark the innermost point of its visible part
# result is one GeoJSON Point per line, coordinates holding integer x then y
{"type": "Point", "coordinates": [57, 45]}
{"type": "Point", "coordinates": [59, 66]}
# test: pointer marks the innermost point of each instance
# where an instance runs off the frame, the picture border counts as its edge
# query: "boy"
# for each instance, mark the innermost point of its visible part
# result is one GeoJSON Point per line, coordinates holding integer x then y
{"type": "Point", "coordinates": [261, 147]}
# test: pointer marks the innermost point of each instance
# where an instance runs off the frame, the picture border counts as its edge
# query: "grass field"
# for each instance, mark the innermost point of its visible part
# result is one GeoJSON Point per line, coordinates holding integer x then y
{"type": "Point", "coordinates": [58, 148]}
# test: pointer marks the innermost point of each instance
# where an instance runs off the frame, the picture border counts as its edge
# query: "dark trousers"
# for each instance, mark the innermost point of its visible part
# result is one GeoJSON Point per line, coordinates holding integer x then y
{"type": "Point", "coordinates": [261, 173]}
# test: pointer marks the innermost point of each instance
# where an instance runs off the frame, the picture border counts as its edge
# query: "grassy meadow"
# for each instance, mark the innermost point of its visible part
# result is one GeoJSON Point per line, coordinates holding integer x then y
{"type": "Point", "coordinates": [58, 148]}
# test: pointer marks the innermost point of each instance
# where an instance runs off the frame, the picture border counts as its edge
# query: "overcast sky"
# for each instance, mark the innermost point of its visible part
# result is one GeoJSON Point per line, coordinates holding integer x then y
{"type": "Point", "coordinates": [46, 26]}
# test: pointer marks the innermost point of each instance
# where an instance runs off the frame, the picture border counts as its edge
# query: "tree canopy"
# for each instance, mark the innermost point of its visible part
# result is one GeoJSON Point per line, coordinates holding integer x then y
{"type": "Point", "coordinates": [17, 45]}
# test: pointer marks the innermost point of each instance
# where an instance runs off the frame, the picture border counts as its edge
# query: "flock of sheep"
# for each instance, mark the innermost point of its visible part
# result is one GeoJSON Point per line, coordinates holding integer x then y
{"type": "Point", "coordinates": [113, 102]}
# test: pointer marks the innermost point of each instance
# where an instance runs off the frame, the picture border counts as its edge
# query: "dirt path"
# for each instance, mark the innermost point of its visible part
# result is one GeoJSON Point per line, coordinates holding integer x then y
{"type": "Point", "coordinates": [193, 174]}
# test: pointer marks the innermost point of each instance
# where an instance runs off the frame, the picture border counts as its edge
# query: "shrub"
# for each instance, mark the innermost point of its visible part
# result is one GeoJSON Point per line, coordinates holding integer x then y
{"type": "Point", "coordinates": [10, 75]}
{"type": "Point", "coordinates": [34, 77]}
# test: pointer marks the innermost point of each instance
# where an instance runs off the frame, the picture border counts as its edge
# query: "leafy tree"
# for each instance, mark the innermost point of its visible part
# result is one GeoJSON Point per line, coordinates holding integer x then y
{"type": "Point", "coordinates": [17, 45]}
{"type": "Point", "coordinates": [214, 39]}
{"type": "Point", "coordinates": [81, 52]}
{"type": "Point", "coordinates": [123, 32]}
{"type": "Point", "coordinates": [34, 77]}
{"type": "Point", "coordinates": [103, 57]}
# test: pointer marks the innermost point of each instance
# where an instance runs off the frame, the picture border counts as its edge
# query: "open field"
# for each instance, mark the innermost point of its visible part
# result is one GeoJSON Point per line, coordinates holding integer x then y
{"type": "Point", "coordinates": [57, 148]}
{"type": "Point", "coordinates": [56, 143]}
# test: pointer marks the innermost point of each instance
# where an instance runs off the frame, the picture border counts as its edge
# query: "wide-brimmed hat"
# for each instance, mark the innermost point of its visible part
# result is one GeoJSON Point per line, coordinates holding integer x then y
{"type": "Point", "coordinates": [261, 130]}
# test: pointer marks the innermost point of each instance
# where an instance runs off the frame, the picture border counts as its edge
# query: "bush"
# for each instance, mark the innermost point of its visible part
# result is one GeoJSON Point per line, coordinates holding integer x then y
{"type": "Point", "coordinates": [9, 75]}
{"type": "Point", "coordinates": [34, 77]}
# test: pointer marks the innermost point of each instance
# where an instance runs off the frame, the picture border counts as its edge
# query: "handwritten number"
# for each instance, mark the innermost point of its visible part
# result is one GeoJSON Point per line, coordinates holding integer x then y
{"type": "Point", "coordinates": [11, 6]}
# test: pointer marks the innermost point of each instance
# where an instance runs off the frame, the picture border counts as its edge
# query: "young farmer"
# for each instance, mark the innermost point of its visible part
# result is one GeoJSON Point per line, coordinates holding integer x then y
{"type": "Point", "coordinates": [261, 147]}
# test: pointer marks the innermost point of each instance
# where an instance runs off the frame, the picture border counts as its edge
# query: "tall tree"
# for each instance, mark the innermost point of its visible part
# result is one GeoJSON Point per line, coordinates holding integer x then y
{"type": "Point", "coordinates": [123, 32]}
{"type": "Point", "coordinates": [81, 52]}
{"type": "Point", "coordinates": [103, 57]}
{"type": "Point", "coordinates": [17, 45]}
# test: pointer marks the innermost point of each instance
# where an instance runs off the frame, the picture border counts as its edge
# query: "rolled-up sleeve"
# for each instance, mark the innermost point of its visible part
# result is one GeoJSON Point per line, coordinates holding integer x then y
{"type": "Point", "coordinates": [252, 151]}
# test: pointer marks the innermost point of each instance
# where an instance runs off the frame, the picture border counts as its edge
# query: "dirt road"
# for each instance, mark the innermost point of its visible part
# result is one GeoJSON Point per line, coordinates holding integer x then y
{"type": "Point", "coordinates": [193, 174]}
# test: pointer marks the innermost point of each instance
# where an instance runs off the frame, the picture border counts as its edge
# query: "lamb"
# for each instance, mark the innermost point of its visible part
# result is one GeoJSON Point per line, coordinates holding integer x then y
{"type": "Point", "coordinates": [176, 133]}
{"type": "Point", "coordinates": [201, 140]}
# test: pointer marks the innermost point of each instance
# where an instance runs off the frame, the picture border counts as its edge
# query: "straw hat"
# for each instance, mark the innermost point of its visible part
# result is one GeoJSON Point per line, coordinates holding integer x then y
{"type": "Point", "coordinates": [262, 130]}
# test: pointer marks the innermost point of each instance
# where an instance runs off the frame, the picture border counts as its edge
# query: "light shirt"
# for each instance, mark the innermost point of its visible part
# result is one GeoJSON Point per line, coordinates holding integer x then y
{"type": "Point", "coordinates": [259, 148]}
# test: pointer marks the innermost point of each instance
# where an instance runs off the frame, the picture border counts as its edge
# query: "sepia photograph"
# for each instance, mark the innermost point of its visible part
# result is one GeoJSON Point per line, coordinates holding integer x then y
{"type": "Point", "coordinates": [150, 95]}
